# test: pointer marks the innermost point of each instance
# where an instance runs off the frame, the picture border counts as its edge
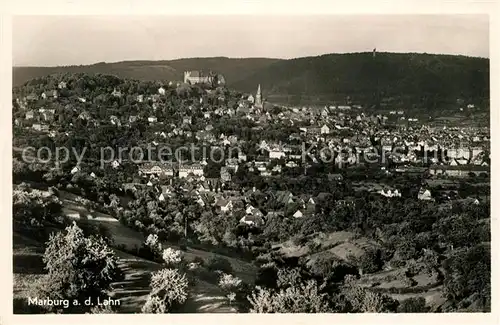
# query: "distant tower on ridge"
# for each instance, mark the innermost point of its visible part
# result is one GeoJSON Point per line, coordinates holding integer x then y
{"type": "Point", "coordinates": [374, 52]}
{"type": "Point", "coordinates": [258, 98]}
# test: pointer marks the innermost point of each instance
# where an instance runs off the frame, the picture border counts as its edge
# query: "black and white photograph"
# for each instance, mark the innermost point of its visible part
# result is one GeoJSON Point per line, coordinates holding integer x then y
{"type": "Point", "coordinates": [187, 164]}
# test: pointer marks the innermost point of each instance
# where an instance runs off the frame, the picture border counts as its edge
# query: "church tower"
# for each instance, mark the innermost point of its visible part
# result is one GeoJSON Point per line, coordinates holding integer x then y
{"type": "Point", "coordinates": [258, 98]}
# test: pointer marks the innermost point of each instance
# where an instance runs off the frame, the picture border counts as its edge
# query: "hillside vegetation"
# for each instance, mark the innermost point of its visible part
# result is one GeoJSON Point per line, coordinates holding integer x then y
{"type": "Point", "coordinates": [173, 70]}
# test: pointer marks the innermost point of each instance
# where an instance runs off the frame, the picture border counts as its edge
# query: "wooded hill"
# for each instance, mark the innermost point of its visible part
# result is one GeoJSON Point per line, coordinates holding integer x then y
{"type": "Point", "coordinates": [425, 81]}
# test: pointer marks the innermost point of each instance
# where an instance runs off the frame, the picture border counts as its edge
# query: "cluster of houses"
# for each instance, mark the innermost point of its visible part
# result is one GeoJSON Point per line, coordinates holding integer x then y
{"type": "Point", "coordinates": [345, 129]}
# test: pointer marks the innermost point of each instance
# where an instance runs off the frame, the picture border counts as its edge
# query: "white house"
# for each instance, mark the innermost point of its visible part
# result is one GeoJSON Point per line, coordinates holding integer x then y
{"type": "Point", "coordinates": [152, 119]}
{"type": "Point", "coordinates": [252, 220]}
{"type": "Point", "coordinates": [161, 91]}
{"type": "Point", "coordinates": [196, 170]}
{"type": "Point", "coordinates": [424, 195]}
{"type": "Point", "coordinates": [224, 205]}
{"type": "Point", "coordinates": [75, 170]}
{"type": "Point", "coordinates": [325, 129]}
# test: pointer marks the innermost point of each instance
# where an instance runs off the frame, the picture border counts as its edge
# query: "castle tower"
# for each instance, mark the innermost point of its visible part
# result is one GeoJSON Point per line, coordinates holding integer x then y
{"type": "Point", "coordinates": [258, 98]}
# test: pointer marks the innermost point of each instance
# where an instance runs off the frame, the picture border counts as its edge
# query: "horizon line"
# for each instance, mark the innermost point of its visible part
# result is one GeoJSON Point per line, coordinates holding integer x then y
{"type": "Point", "coordinates": [240, 58]}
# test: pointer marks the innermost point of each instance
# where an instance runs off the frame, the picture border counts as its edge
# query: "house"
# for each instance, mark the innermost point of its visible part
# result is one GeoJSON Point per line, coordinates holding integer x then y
{"type": "Point", "coordinates": [186, 120]}
{"type": "Point", "coordinates": [133, 118]}
{"type": "Point", "coordinates": [276, 154]}
{"type": "Point", "coordinates": [29, 115]}
{"type": "Point", "coordinates": [92, 175]}
{"type": "Point", "coordinates": [157, 169]}
{"type": "Point", "coordinates": [115, 120]}
{"type": "Point", "coordinates": [75, 170]}
{"type": "Point", "coordinates": [140, 98]}
{"type": "Point", "coordinates": [200, 202]}
{"type": "Point", "coordinates": [116, 93]}
{"type": "Point", "coordinates": [161, 91]}
{"type": "Point", "coordinates": [152, 119]}
{"type": "Point", "coordinates": [252, 220]}
{"type": "Point", "coordinates": [335, 177]}
{"type": "Point", "coordinates": [40, 127]}
{"type": "Point", "coordinates": [62, 85]}
{"type": "Point", "coordinates": [389, 193]}
{"type": "Point", "coordinates": [194, 169]}
{"type": "Point", "coordinates": [461, 171]}
{"type": "Point", "coordinates": [161, 197]}
{"type": "Point", "coordinates": [224, 205]}
{"type": "Point", "coordinates": [284, 197]}
{"type": "Point", "coordinates": [298, 214]}
{"type": "Point", "coordinates": [49, 94]}
{"type": "Point", "coordinates": [198, 77]}
{"type": "Point", "coordinates": [325, 129]}
{"type": "Point", "coordinates": [424, 195]}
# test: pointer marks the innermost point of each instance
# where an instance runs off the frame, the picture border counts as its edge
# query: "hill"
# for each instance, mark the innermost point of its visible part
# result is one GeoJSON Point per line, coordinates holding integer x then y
{"type": "Point", "coordinates": [392, 79]}
{"type": "Point", "coordinates": [423, 79]}
{"type": "Point", "coordinates": [232, 69]}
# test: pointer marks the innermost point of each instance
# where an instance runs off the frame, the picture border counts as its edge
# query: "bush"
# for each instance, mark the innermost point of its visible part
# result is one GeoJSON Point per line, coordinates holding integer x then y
{"type": "Point", "coordinates": [219, 264]}
{"type": "Point", "coordinates": [413, 305]}
{"type": "Point", "coordinates": [172, 258]}
{"type": "Point", "coordinates": [229, 283]}
{"type": "Point", "coordinates": [153, 243]}
{"type": "Point", "coordinates": [300, 298]}
{"type": "Point", "coordinates": [78, 267]}
{"type": "Point", "coordinates": [169, 290]}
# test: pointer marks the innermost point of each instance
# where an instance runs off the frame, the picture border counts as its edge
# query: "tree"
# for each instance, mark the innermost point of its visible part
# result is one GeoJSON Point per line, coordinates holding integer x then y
{"type": "Point", "coordinates": [169, 290]}
{"type": "Point", "coordinates": [172, 257]}
{"type": "Point", "coordinates": [357, 299]}
{"type": "Point", "coordinates": [216, 263]}
{"type": "Point", "coordinates": [78, 267]}
{"type": "Point", "coordinates": [231, 285]}
{"type": "Point", "coordinates": [468, 275]}
{"type": "Point", "coordinates": [369, 262]}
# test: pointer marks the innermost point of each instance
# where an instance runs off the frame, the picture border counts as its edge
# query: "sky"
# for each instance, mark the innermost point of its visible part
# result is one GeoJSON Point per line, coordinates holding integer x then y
{"type": "Point", "coordinates": [75, 40]}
